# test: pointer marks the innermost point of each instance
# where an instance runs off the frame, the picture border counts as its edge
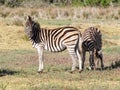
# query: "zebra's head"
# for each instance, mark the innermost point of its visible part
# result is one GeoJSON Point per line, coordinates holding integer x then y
{"type": "Point", "coordinates": [31, 28]}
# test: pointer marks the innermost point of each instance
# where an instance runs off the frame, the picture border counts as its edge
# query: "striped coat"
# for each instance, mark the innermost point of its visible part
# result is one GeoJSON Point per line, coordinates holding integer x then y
{"type": "Point", "coordinates": [55, 40]}
{"type": "Point", "coordinates": [92, 42]}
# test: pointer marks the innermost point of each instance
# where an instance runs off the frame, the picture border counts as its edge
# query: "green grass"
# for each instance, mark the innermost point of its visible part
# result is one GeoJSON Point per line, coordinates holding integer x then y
{"type": "Point", "coordinates": [21, 73]}
{"type": "Point", "coordinates": [112, 50]}
{"type": "Point", "coordinates": [13, 54]}
{"type": "Point", "coordinates": [55, 22]}
{"type": "Point", "coordinates": [19, 61]}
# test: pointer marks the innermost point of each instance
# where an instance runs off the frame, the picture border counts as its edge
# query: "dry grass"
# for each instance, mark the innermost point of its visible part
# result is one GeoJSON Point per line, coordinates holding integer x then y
{"type": "Point", "coordinates": [57, 84]}
{"type": "Point", "coordinates": [11, 37]}
{"type": "Point", "coordinates": [16, 16]}
{"type": "Point", "coordinates": [18, 60]}
{"type": "Point", "coordinates": [14, 36]}
{"type": "Point", "coordinates": [20, 64]}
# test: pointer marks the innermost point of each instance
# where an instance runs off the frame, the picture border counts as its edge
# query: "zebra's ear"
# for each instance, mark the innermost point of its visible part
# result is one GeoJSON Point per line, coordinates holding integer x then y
{"type": "Point", "coordinates": [97, 26]}
{"type": "Point", "coordinates": [29, 18]}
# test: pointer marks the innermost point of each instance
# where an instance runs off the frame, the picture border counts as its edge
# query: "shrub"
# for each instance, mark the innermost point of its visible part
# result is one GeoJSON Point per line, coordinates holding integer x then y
{"type": "Point", "coordinates": [2, 2]}
{"type": "Point", "coordinates": [91, 2]}
{"type": "Point", "coordinates": [44, 3]}
{"type": "Point", "coordinates": [105, 2]}
{"type": "Point", "coordinates": [12, 3]}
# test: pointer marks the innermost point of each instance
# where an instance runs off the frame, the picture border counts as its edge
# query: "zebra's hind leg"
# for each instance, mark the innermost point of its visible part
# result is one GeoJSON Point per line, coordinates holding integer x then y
{"type": "Point", "coordinates": [74, 57]}
{"type": "Point", "coordinates": [81, 62]}
{"type": "Point", "coordinates": [83, 58]}
{"type": "Point", "coordinates": [100, 56]}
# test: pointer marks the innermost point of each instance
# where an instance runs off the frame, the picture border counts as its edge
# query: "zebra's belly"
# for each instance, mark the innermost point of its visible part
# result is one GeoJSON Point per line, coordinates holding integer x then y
{"type": "Point", "coordinates": [88, 45]}
{"type": "Point", "coordinates": [55, 48]}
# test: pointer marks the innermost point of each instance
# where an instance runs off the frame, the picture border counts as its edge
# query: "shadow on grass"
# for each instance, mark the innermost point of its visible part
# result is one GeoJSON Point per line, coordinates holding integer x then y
{"type": "Point", "coordinates": [113, 65]}
{"type": "Point", "coordinates": [4, 72]}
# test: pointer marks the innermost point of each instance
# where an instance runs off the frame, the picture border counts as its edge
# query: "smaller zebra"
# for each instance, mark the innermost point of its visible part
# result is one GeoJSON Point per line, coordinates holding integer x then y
{"type": "Point", "coordinates": [92, 42]}
{"type": "Point", "coordinates": [55, 40]}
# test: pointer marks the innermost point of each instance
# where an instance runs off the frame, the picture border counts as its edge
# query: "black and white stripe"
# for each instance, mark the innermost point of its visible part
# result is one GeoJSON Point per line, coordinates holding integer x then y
{"type": "Point", "coordinates": [55, 40]}
{"type": "Point", "coordinates": [92, 42]}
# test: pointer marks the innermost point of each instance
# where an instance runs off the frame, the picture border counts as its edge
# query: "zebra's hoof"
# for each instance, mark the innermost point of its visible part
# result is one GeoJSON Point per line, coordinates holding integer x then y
{"type": "Point", "coordinates": [80, 71]}
{"type": "Point", "coordinates": [92, 68]}
{"type": "Point", "coordinates": [40, 71]}
{"type": "Point", "coordinates": [71, 71]}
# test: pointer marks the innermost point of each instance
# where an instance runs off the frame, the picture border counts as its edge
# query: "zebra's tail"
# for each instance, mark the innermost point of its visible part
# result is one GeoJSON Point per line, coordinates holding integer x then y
{"type": "Point", "coordinates": [80, 55]}
{"type": "Point", "coordinates": [80, 43]}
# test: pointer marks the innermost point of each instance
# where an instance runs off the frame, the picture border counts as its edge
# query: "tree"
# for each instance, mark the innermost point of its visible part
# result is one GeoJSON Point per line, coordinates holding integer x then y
{"type": "Point", "coordinates": [68, 2]}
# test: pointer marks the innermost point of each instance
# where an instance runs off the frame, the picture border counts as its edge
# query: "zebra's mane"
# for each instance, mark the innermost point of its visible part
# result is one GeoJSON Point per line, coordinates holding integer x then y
{"type": "Point", "coordinates": [35, 31]}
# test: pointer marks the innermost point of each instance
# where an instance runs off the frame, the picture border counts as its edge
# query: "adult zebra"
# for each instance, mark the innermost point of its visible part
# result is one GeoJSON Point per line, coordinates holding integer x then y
{"type": "Point", "coordinates": [55, 40]}
{"type": "Point", "coordinates": [92, 42]}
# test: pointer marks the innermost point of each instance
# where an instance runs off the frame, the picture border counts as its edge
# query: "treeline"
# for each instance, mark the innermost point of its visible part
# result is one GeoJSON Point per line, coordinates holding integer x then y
{"type": "Point", "coordinates": [42, 3]}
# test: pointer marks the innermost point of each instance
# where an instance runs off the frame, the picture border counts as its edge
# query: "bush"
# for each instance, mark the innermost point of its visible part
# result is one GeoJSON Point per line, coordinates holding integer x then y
{"type": "Point", "coordinates": [2, 2]}
{"type": "Point", "coordinates": [92, 2]}
{"type": "Point", "coordinates": [78, 2]}
{"type": "Point", "coordinates": [105, 2]}
{"type": "Point", "coordinates": [13, 3]}
{"type": "Point", "coordinates": [39, 3]}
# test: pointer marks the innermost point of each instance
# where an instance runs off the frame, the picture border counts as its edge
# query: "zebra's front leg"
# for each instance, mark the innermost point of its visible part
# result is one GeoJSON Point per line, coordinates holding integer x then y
{"type": "Point", "coordinates": [74, 59]}
{"type": "Point", "coordinates": [91, 59]}
{"type": "Point", "coordinates": [40, 57]}
{"type": "Point", "coordinates": [101, 59]}
{"type": "Point", "coordinates": [83, 58]}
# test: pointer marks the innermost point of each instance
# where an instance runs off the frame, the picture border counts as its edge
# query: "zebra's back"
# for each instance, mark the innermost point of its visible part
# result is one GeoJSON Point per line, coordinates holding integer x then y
{"type": "Point", "coordinates": [92, 39]}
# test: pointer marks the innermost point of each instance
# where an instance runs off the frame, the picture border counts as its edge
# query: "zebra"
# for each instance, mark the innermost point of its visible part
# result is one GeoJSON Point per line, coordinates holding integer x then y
{"type": "Point", "coordinates": [55, 40]}
{"type": "Point", "coordinates": [92, 42]}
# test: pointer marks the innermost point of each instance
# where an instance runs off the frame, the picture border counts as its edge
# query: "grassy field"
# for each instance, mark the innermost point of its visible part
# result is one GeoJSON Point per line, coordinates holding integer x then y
{"type": "Point", "coordinates": [19, 64]}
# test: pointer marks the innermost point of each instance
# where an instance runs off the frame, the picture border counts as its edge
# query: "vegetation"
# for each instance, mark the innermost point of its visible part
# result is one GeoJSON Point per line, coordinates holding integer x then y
{"type": "Point", "coordinates": [19, 64]}
{"type": "Point", "coordinates": [51, 15]}
{"type": "Point", "coordinates": [18, 60]}
{"type": "Point", "coordinates": [39, 3]}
